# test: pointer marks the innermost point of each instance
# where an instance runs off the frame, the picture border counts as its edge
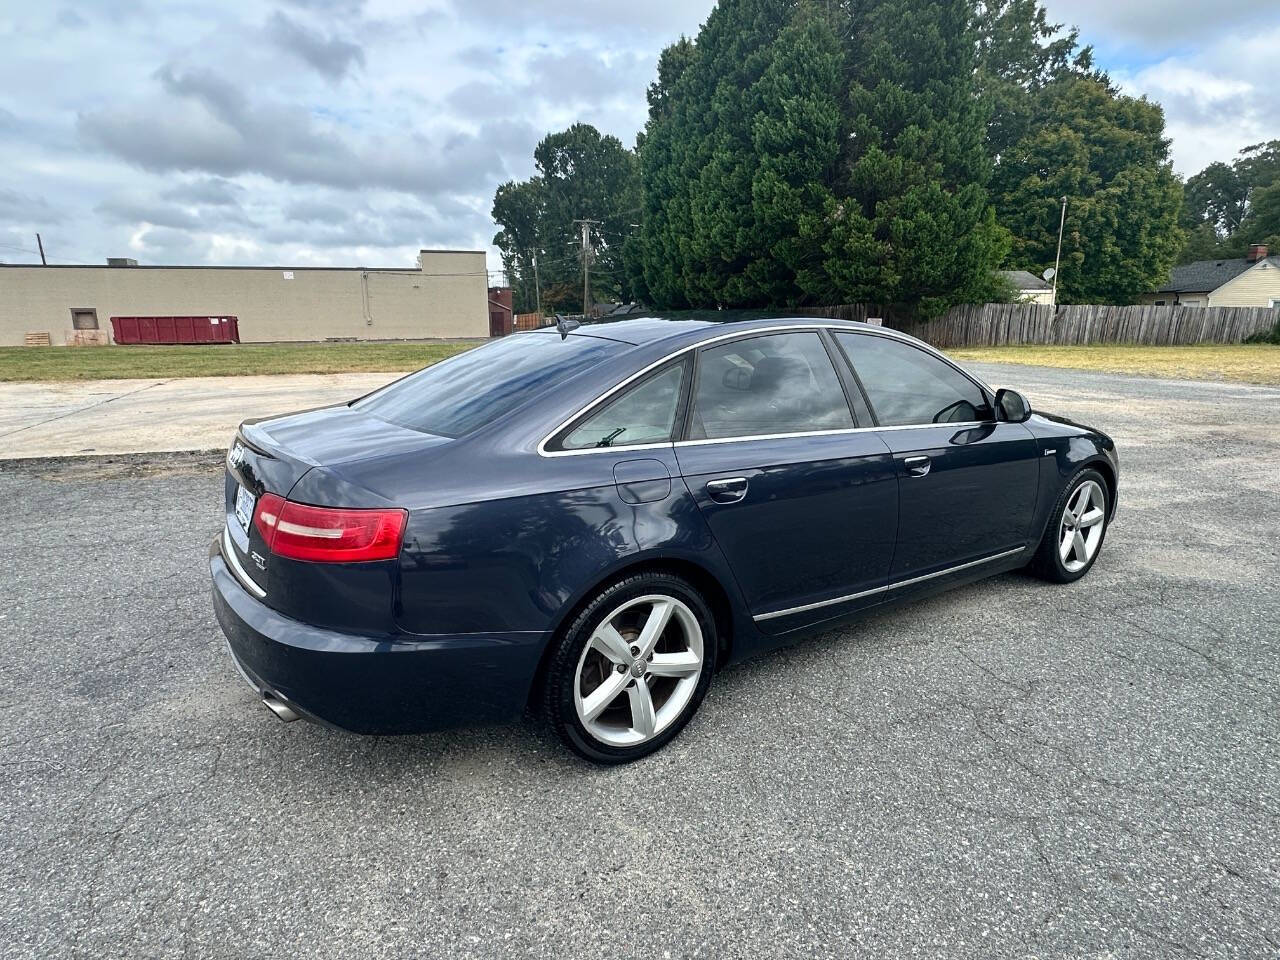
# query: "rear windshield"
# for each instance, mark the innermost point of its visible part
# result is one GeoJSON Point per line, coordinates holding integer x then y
{"type": "Point", "coordinates": [461, 394]}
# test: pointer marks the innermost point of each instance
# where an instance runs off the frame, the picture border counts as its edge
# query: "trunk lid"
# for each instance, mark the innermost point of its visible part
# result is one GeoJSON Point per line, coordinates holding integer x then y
{"type": "Point", "coordinates": [331, 436]}
{"type": "Point", "coordinates": [272, 456]}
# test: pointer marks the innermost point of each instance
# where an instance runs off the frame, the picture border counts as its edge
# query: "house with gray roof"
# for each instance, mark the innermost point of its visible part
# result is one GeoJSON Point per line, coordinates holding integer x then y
{"type": "Point", "coordinates": [1250, 281]}
{"type": "Point", "coordinates": [1028, 287]}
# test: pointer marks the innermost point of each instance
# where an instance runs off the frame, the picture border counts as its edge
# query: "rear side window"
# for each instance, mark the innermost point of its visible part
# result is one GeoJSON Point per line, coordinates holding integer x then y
{"type": "Point", "coordinates": [907, 386]}
{"type": "Point", "coordinates": [465, 392]}
{"type": "Point", "coordinates": [782, 383]}
{"type": "Point", "coordinates": [645, 413]}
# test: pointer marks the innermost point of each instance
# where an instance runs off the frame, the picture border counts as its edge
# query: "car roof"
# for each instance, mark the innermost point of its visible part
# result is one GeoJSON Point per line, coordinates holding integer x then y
{"type": "Point", "coordinates": [693, 325]}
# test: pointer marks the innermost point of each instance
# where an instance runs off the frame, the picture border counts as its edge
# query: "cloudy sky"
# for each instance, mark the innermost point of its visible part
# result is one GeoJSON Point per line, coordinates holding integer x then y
{"type": "Point", "coordinates": [354, 132]}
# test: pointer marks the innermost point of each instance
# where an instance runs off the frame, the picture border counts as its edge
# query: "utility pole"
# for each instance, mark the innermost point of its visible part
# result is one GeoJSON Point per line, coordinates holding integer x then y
{"type": "Point", "coordinates": [40, 244]}
{"type": "Point", "coordinates": [537, 284]}
{"type": "Point", "coordinates": [588, 253]}
{"type": "Point", "coordinates": [1057, 261]}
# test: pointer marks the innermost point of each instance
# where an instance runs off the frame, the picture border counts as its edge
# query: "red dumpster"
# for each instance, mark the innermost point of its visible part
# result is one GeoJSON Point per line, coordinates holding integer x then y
{"type": "Point", "coordinates": [222, 329]}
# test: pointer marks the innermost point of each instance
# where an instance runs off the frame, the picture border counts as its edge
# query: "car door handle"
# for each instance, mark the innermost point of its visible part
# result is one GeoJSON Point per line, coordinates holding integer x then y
{"type": "Point", "coordinates": [917, 466]}
{"type": "Point", "coordinates": [727, 489]}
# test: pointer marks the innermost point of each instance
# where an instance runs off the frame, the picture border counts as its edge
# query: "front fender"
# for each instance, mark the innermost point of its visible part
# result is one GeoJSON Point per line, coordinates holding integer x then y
{"type": "Point", "coordinates": [1065, 448]}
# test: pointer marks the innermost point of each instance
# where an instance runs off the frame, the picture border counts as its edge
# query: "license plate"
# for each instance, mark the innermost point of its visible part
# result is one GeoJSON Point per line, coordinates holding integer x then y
{"type": "Point", "coordinates": [244, 507]}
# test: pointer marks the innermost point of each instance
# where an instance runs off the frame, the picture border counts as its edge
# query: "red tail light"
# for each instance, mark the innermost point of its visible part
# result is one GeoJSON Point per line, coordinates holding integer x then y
{"type": "Point", "coordinates": [328, 534]}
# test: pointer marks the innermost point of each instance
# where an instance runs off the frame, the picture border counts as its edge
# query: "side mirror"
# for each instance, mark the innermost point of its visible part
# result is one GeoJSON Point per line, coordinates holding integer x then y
{"type": "Point", "coordinates": [1012, 407]}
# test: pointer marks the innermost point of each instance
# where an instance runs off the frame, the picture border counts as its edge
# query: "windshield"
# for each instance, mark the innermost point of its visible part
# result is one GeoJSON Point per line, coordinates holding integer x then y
{"type": "Point", "coordinates": [461, 394]}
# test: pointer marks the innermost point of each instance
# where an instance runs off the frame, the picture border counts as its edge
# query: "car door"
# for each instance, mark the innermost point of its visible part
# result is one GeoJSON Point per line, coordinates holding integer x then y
{"type": "Point", "coordinates": [802, 503]}
{"type": "Point", "coordinates": [966, 483]}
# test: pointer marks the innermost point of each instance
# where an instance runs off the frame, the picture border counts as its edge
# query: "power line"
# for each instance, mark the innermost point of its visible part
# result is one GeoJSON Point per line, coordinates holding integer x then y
{"type": "Point", "coordinates": [12, 246]}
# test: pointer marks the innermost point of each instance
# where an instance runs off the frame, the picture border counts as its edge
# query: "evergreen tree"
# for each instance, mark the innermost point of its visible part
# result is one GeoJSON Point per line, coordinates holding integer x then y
{"type": "Point", "coordinates": [653, 254]}
{"type": "Point", "coordinates": [912, 224]}
{"type": "Point", "coordinates": [719, 240]}
{"type": "Point", "coordinates": [795, 142]}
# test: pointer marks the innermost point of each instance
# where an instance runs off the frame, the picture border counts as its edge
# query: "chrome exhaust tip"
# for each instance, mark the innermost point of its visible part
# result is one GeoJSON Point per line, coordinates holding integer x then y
{"type": "Point", "coordinates": [280, 708]}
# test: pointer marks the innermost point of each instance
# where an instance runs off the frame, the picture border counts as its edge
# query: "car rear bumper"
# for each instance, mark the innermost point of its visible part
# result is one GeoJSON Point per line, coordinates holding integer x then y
{"type": "Point", "coordinates": [395, 684]}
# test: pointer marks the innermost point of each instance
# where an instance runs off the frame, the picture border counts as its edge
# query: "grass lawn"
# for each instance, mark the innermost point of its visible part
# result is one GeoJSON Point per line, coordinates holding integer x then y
{"type": "Point", "coordinates": [1245, 363]}
{"type": "Point", "coordinates": [222, 360]}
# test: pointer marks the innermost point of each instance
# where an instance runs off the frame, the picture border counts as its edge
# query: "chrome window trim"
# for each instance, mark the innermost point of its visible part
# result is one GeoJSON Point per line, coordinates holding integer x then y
{"type": "Point", "coordinates": [229, 555]}
{"type": "Point", "coordinates": [620, 448]}
{"type": "Point", "coordinates": [959, 424]}
{"type": "Point", "coordinates": [896, 585]}
{"type": "Point", "coordinates": [746, 334]}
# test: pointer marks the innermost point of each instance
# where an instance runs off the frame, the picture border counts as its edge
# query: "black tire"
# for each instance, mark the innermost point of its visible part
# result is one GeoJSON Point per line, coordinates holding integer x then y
{"type": "Point", "coordinates": [1047, 564]}
{"type": "Point", "coordinates": [558, 695]}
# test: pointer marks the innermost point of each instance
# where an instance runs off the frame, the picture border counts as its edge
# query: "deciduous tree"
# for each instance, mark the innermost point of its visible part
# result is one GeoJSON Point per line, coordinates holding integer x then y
{"type": "Point", "coordinates": [517, 209]}
{"type": "Point", "coordinates": [580, 175]}
{"type": "Point", "coordinates": [1108, 155]}
{"type": "Point", "coordinates": [1220, 200]}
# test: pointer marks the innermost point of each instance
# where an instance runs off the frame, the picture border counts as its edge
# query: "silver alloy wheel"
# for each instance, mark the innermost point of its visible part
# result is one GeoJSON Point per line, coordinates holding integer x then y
{"type": "Point", "coordinates": [1080, 531]}
{"type": "Point", "coordinates": [650, 648]}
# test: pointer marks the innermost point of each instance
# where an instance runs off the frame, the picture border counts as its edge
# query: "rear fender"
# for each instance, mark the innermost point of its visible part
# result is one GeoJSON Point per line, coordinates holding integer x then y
{"type": "Point", "coordinates": [524, 564]}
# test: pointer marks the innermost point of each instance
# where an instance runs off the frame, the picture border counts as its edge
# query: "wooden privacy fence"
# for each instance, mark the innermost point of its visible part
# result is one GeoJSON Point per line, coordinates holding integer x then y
{"type": "Point", "coordinates": [1000, 324]}
{"type": "Point", "coordinates": [529, 321]}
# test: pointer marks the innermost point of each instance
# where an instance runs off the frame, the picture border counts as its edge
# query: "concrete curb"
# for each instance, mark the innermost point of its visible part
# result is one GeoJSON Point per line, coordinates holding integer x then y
{"type": "Point", "coordinates": [167, 459]}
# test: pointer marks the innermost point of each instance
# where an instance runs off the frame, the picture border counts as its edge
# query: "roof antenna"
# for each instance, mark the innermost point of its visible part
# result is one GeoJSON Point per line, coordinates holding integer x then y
{"type": "Point", "coordinates": [565, 326]}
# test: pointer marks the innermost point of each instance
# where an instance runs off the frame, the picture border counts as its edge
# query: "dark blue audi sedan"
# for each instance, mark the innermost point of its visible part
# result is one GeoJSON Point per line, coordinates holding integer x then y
{"type": "Point", "coordinates": [592, 521]}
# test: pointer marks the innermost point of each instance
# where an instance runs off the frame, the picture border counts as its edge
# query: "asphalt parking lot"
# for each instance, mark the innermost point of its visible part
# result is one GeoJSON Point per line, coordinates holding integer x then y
{"type": "Point", "coordinates": [1010, 770]}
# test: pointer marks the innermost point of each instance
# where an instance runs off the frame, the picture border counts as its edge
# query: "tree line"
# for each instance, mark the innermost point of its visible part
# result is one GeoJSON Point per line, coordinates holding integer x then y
{"type": "Point", "coordinates": [1229, 207]}
{"type": "Point", "coordinates": [876, 151]}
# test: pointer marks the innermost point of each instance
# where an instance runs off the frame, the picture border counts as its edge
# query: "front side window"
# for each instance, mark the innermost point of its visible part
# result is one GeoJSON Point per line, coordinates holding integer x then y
{"type": "Point", "coordinates": [463, 393]}
{"type": "Point", "coordinates": [782, 383]}
{"type": "Point", "coordinates": [907, 386]}
{"type": "Point", "coordinates": [644, 413]}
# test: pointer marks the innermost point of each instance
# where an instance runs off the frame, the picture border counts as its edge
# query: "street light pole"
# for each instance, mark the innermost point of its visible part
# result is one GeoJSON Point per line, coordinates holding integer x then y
{"type": "Point", "coordinates": [1057, 261]}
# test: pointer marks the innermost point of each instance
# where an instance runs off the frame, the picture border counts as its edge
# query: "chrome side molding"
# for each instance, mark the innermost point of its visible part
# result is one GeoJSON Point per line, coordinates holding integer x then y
{"type": "Point", "coordinates": [775, 614]}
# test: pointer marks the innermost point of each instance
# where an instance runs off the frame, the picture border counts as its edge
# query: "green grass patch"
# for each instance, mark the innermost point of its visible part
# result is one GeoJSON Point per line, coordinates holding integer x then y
{"type": "Point", "coordinates": [1244, 363]}
{"type": "Point", "coordinates": [221, 360]}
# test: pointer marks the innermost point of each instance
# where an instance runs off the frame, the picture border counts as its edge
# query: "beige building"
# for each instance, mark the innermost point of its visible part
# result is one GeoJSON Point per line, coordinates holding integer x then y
{"type": "Point", "coordinates": [445, 296]}
{"type": "Point", "coordinates": [1252, 281]}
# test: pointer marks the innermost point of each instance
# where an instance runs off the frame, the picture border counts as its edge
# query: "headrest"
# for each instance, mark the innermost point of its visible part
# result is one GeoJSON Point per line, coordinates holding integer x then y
{"type": "Point", "coordinates": [769, 373]}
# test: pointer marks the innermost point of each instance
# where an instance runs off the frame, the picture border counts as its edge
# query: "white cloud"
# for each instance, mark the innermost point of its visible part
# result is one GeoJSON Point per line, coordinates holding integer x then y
{"type": "Point", "coordinates": [1157, 24]}
{"type": "Point", "coordinates": [1216, 99]}
{"type": "Point", "coordinates": [332, 131]}
{"type": "Point", "coordinates": [353, 131]}
{"type": "Point", "coordinates": [1208, 64]}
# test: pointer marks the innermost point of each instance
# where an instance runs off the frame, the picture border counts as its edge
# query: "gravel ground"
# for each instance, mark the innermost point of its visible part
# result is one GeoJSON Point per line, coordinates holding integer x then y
{"type": "Point", "coordinates": [1009, 770]}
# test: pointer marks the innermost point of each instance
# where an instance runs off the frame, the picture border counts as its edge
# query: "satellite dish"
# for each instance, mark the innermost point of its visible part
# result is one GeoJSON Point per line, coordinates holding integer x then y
{"type": "Point", "coordinates": [1049, 274]}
